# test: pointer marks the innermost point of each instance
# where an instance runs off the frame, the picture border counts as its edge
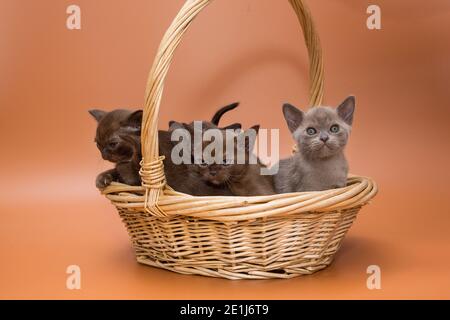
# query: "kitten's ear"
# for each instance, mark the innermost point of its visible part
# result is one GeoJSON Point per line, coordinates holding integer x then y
{"type": "Point", "coordinates": [133, 122]}
{"type": "Point", "coordinates": [234, 126]}
{"type": "Point", "coordinates": [255, 128]}
{"type": "Point", "coordinates": [181, 125]}
{"type": "Point", "coordinates": [186, 133]}
{"type": "Point", "coordinates": [173, 125]}
{"type": "Point", "coordinates": [135, 119]}
{"type": "Point", "coordinates": [97, 114]}
{"type": "Point", "coordinates": [293, 116]}
{"type": "Point", "coordinates": [346, 110]}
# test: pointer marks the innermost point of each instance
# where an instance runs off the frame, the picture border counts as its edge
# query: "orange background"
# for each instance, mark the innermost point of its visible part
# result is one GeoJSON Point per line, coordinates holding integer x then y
{"type": "Point", "coordinates": [246, 50]}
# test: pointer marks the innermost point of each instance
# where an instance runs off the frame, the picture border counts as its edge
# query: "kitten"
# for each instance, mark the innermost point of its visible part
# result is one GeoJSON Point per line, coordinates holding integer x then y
{"type": "Point", "coordinates": [242, 179]}
{"type": "Point", "coordinates": [321, 135]}
{"type": "Point", "coordinates": [112, 128]}
{"type": "Point", "coordinates": [111, 137]}
{"type": "Point", "coordinates": [183, 177]}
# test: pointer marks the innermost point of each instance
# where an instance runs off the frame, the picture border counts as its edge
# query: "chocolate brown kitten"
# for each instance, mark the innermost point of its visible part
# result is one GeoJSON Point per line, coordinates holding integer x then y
{"type": "Point", "coordinates": [246, 179]}
{"type": "Point", "coordinates": [118, 139]}
{"type": "Point", "coordinates": [183, 177]}
{"type": "Point", "coordinates": [112, 128]}
{"type": "Point", "coordinates": [243, 178]}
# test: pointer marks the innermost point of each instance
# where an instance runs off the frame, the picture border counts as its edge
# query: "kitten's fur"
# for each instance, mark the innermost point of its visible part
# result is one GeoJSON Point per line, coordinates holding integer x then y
{"type": "Point", "coordinates": [241, 179]}
{"type": "Point", "coordinates": [183, 177]}
{"type": "Point", "coordinates": [118, 139]}
{"type": "Point", "coordinates": [112, 128]}
{"type": "Point", "coordinates": [320, 163]}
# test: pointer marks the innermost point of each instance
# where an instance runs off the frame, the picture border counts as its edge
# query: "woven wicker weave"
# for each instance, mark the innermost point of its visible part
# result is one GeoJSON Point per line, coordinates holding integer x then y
{"type": "Point", "coordinates": [277, 236]}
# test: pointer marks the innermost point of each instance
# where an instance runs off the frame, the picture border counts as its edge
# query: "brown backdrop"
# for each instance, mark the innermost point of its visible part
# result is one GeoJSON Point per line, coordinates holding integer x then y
{"type": "Point", "coordinates": [240, 50]}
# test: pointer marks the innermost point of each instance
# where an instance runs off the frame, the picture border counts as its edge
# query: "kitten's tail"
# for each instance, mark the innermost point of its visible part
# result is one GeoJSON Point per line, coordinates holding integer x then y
{"type": "Point", "coordinates": [218, 115]}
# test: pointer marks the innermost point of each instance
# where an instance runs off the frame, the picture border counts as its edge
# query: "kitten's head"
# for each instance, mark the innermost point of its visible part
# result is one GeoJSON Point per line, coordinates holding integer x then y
{"type": "Point", "coordinates": [112, 127]}
{"type": "Point", "coordinates": [220, 171]}
{"type": "Point", "coordinates": [322, 131]}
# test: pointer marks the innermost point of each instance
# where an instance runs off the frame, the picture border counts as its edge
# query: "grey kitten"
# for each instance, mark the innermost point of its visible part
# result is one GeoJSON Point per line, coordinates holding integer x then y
{"type": "Point", "coordinates": [242, 179]}
{"type": "Point", "coordinates": [321, 135]}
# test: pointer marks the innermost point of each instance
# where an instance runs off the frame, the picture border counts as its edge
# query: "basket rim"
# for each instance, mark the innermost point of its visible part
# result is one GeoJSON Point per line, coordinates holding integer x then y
{"type": "Point", "coordinates": [359, 191]}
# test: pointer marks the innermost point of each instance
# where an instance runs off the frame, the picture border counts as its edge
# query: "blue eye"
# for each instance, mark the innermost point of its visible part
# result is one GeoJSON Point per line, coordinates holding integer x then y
{"type": "Point", "coordinates": [311, 131]}
{"type": "Point", "coordinates": [334, 128]}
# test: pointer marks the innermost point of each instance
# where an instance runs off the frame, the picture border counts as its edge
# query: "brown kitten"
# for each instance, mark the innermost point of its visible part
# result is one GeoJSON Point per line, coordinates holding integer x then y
{"type": "Point", "coordinates": [112, 128]}
{"type": "Point", "coordinates": [243, 179]}
{"type": "Point", "coordinates": [118, 139]}
{"type": "Point", "coordinates": [183, 177]}
{"type": "Point", "coordinates": [246, 179]}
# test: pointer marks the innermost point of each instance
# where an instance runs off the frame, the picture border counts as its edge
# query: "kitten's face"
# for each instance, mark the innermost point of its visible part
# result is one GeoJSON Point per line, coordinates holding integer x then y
{"type": "Point", "coordinates": [111, 127]}
{"type": "Point", "coordinates": [322, 131]}
{"type": "Point", "coordinates": [223, 171]}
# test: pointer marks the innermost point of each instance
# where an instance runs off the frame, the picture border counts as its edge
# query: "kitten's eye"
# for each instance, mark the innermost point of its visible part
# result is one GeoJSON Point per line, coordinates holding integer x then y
{"type": "Point", "coordinates": [311, 131]}
{"type": "Point", "coordinates": [334, 128]}
{"type": "Point", "coordinates": [113, 144]}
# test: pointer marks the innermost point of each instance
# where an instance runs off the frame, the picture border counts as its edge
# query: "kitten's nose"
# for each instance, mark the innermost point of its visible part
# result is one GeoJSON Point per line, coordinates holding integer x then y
{"type": "Point", "coordinates": [324, 137]}
{"type": "Point", "coordinates": [213, 172]}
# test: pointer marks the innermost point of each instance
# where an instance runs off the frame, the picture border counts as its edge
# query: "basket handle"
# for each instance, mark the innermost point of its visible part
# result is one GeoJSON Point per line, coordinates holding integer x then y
{"type": "Point", "coordinates": [152, 170]}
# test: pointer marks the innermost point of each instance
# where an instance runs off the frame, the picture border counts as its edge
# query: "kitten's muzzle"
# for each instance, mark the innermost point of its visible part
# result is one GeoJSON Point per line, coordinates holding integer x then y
{"type": "Point", "coordinates": [214, 170]}
{"type": "Point", "coordinates": [324, 138]}
{"type": "Point", "coordinates": [106, 156]}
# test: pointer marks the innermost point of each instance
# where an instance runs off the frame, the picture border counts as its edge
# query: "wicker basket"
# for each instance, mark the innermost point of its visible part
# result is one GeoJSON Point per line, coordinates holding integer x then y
{"type": "Point", "coordinates": [277, 236]}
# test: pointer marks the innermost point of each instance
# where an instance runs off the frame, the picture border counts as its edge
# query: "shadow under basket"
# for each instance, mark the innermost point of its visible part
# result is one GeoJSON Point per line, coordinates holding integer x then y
{"type": "Point", "coordinates": [262, 237]}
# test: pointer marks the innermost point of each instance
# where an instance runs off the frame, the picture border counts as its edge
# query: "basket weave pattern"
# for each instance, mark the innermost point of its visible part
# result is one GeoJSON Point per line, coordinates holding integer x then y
{"type": "Point", "coordinates": [277, 236]}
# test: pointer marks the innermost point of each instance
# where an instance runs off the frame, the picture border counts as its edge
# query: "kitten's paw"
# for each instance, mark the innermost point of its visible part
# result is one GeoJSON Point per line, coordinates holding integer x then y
{"type": "Point", "coordinates": [103, 180]}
